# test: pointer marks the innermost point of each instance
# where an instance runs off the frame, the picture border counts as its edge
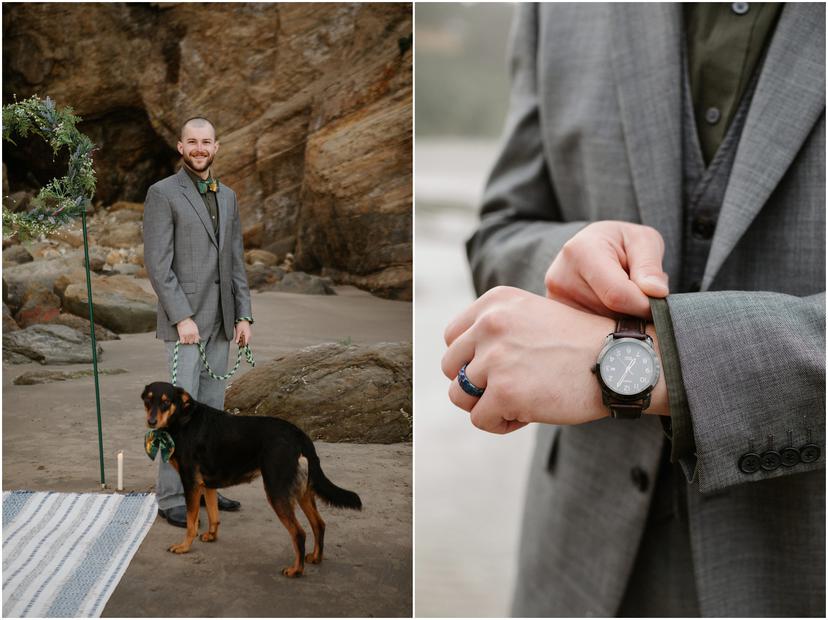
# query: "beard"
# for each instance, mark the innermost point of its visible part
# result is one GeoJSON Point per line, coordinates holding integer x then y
{"type": "Point", "coordinates": [190, 162]}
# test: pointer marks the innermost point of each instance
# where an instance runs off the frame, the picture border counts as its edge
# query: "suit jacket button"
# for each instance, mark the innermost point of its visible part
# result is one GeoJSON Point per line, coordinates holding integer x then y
{"type": "Point", "coordinates": [809, 453]}
{"type": "Point", "coordinates": [771, 460]}
{"type": "Point", "coordinates": [790, 457]}
{"type": "Point", "coordinates": [750, 462]}
{"type": "Point", "coordinates": [640, 478]}
{"type": "Point", "coordinates": [218, 281]}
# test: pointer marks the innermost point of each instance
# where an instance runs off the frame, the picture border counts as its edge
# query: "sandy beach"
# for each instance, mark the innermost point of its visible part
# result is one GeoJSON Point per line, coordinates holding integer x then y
{"type": "Point", "coordinates": [50, 443]}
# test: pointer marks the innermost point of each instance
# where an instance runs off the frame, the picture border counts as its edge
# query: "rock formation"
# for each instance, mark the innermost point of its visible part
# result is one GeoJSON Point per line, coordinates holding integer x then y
{"type": "Point", "coordinates": [334, 392]}
{"type": "Point", "coordinates": [312, 103]}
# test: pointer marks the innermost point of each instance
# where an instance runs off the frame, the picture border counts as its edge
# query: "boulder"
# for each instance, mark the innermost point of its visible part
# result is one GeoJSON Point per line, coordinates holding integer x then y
{"type": "Point", "coordinates": [252, 257]}
{"type": "Point", "coordinates": [40, 305]}
{"type": "Point", "coordinates": [122, 234]}
{"type": "Point", "coordinates": [123, 205]}
{"type": "Point", "coordinates": [82, 325]}
{"type": "Point", "coordinates": [260, 275]}
{"type": "Point", "coordinates": [50, 344]}
{"type": "Point", "coordinates": [126, 269]}
{"type": "Point", "coordinates": [301, 282]}
{"type": "Point", "coordinates": [76, 276]}
{"type": "Point", "coordinates": [334, 392]}
{"type": "Point", "coordinates": [16, 254]}
{"type": "Point", "coordinates": [37, 377]}
{"type": "Point", "coordinates": [9, 324]}
{"type": "Point", "coordinates": [120, 304]}
{"type": "Point", "coordinates": [72, 238]}
{"type": "Point", "coordinates": [18, 279]}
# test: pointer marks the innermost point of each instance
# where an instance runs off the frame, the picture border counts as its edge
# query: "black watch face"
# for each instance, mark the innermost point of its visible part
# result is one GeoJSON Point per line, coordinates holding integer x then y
{"type": "Point", "coordinates": [629, 367]}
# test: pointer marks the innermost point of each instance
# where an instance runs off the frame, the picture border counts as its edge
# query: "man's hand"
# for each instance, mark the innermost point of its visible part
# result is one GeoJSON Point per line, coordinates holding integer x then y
{"type": "Point", "coordinates": [609, 268]}
{"type": "Point", "coordinates": [241, 333]}
{"type": "Point", "coordinates": [187, 331]}
{"type": "Point", "coordinates": [534, 358]}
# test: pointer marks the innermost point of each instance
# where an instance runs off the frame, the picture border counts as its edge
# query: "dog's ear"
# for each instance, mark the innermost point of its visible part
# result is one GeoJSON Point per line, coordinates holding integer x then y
{"type": "Point", "coordinates": [183, 397]}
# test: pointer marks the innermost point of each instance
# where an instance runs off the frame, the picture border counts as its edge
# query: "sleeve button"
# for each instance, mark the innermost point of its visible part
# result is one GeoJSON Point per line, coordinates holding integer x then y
{"type": "Point", "coordinates": [790, 457]}
{"type": "Point", "coordinates": [809, 453]}
{"type": "Point", "coordinates": [771, 460]}
{"type": "Point", "coordinates": [750, 462]}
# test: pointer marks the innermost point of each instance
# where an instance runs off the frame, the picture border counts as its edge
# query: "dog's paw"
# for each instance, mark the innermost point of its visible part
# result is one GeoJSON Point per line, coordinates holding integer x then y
{"type": "Point", "coordinates": [312, 559]}
{"type": "Point", "coordinates": [291, 572]}
{"type": "Point", "coordinates": [179, 548]}
{"type": "Point", "coordinates": [208, 537]}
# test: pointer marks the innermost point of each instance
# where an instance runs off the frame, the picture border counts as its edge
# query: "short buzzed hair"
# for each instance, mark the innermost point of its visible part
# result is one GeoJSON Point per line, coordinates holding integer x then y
{"type": "Point", "coordinates": [199, 121]}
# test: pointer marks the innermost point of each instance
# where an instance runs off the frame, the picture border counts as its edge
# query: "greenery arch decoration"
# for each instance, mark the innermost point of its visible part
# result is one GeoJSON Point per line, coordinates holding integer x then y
{"type": "Point", "coordinates": [64, 198]}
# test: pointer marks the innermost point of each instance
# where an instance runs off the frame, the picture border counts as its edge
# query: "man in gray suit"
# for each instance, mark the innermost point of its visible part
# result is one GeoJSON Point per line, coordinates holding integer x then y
{"type": "Point", "coordinates": [194, 257]}
{"type": "Point", "coordinates": [644, 156]}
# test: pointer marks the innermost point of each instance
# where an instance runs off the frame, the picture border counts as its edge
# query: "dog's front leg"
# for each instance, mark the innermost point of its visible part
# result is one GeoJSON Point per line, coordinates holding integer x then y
{"type": "Point", "coordinates": [211, 499]}
{"type": "Point", "coordinates": [193, 497]}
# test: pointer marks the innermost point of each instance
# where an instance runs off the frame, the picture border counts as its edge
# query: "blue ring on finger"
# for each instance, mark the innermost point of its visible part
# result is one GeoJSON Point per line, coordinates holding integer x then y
{"type": "Point", "coordinates": [467, 386]}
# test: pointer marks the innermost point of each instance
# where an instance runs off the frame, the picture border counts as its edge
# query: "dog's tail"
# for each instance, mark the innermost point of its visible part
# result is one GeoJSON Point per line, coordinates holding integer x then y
{"type": "Point", "coordinates": [324, 488]}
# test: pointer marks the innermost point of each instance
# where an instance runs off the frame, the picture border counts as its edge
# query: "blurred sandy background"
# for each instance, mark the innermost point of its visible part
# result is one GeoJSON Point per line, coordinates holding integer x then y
{"type": "Point", "coordinates": [469, 485]}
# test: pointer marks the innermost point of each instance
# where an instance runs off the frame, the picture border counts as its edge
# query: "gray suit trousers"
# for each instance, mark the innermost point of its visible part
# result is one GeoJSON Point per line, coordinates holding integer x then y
{"type": "Point", "coordinates": [193, 377]}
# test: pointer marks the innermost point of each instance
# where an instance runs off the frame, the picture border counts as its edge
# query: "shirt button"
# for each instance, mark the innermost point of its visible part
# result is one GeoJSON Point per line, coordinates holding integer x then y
{"type": "Point", "coordinates": [750, 463]}
{"type": "Point", "coordinates": [740, 8]}
{"type": "Point", "coordinates": [712, 115]}
{"type": "Point", "coordinates": [703, 227]}
{"type": "Point", "coordinates": [639, 478]}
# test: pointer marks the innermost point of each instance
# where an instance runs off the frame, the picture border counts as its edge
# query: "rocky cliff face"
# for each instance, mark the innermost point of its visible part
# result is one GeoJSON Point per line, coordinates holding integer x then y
{"type": "Point", "coordinates": [312, 103]}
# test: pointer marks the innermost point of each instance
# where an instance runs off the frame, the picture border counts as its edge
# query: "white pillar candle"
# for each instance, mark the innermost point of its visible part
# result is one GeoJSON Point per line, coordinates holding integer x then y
{"type": "Point", "coordinates": [120, 470]}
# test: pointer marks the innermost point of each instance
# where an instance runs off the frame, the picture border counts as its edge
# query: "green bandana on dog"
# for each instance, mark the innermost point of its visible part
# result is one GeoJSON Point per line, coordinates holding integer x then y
{"type": "Point", "coordinates": [154, 440]}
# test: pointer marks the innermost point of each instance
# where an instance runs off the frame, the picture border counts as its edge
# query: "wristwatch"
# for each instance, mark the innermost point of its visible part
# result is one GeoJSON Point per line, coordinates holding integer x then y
{"type": "Point", "coordinates": [627, 369]}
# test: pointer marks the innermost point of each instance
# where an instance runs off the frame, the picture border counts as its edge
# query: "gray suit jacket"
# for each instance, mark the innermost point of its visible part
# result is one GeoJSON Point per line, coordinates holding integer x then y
{"type": "Point", "coordinates": [594, 133]}
{"type": "Point", "coordinates": [192, 272]}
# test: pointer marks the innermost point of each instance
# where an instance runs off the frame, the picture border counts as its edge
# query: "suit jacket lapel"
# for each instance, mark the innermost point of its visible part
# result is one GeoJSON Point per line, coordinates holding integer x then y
{"type": "Point", "coordinates": [197, 203]}
{"type": "Point", "coordinates": [789, 99]}
{"type": "Point", "coordinates": [224, 216]}
{"type": "Point", "coordinates": [647, 64]}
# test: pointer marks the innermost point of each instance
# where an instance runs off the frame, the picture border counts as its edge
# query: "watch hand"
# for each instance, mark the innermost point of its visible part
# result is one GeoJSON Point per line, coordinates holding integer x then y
{"type": "Point", "coordinates": [625, 373]}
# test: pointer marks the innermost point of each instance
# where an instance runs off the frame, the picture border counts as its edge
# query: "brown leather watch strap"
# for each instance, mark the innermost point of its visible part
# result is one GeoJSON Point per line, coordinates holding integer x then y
{"type": "Point", "coordinates": [630, 327]}
{"type": "Point", "coordinates": [626, 411]}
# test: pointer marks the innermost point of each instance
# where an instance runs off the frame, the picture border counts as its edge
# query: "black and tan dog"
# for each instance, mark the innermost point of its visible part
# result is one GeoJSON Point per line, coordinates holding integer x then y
{"type": "Point", "coordinates": [214, 449]}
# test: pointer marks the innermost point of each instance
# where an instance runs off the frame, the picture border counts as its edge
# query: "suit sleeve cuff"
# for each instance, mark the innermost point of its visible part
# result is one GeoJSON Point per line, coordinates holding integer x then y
{"type": "Point", "coordinates": [679, 426]}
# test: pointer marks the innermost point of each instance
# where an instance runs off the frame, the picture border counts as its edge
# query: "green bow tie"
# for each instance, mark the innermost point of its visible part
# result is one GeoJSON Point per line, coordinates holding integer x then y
{"type": "Point", "coordinates": [154, 440]}
{"type": "Point", "coordinates": [210, 185]}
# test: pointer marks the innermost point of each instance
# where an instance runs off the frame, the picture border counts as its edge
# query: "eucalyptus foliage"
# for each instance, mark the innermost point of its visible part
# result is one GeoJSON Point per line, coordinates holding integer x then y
{"type": "Point", "coordinates": [61, 199]}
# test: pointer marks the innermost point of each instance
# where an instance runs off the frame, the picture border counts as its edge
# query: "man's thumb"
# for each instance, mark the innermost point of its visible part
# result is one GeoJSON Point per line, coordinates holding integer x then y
{"type": "Point", "coordinates": [652, 282]}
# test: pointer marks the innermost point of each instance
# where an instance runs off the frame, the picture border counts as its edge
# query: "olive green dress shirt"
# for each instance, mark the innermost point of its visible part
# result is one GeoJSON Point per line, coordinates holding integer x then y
{"type": "Point", "coordinates": [725, 41]}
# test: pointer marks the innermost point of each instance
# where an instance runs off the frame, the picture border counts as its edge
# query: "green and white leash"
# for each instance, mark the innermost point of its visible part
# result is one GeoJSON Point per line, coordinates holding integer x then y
{"type": "Point", "coordinates": [248, 354]}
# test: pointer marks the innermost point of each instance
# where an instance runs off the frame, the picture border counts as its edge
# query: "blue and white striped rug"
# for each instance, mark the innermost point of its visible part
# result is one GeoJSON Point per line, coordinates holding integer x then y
{"type": "Point", "coordinates": [64, 553]}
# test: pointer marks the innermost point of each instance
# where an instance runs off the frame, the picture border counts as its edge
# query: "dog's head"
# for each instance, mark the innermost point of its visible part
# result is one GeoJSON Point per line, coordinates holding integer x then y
{"type": "Point", "coordinates": [162, 401]}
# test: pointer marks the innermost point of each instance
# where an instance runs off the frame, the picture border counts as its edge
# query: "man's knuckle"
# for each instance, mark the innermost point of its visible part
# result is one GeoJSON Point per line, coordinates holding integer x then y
{"type": "Point", "coordinates": [614, 298]}
{"type": "Point", "coordinates": [493, 323]}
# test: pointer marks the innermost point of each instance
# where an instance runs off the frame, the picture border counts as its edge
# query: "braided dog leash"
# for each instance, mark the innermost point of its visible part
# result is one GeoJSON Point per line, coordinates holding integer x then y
{"type": "Point", "coordinates": [248, 354]}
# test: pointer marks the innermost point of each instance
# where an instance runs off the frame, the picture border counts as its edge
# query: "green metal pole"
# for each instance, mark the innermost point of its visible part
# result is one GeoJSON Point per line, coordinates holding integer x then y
{"type": "Point", "coordinates": [94, 347]}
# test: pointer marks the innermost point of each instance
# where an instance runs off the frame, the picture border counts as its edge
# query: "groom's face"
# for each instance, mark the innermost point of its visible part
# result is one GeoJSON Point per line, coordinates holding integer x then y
{"type": "Point", "coordinates": [198, 146]}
